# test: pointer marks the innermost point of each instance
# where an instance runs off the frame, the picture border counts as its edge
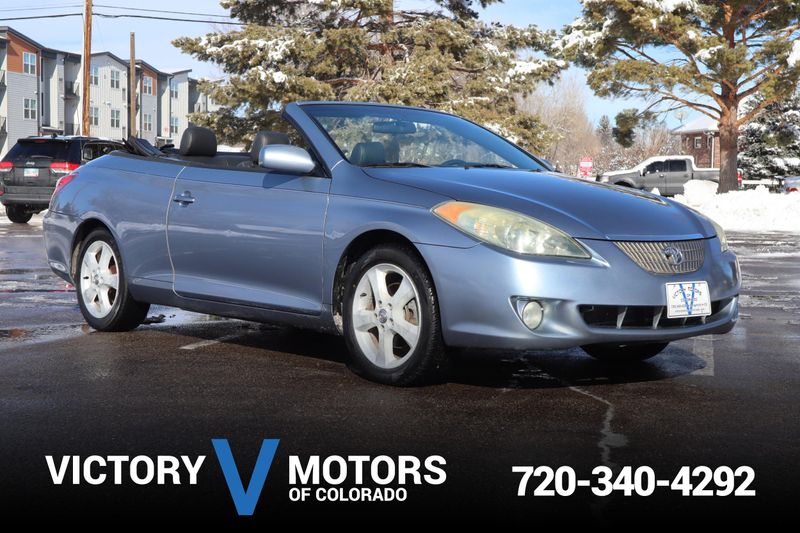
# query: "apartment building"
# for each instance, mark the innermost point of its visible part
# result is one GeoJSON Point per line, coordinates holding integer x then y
{"type": "Point", "coordinates": [40, 94]}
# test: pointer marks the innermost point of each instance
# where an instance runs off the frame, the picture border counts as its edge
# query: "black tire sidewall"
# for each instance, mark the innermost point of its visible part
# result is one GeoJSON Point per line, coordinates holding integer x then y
{"type": "Point", "coordinates": [418, 367]}
{"type": "Point", "coordinates": [121, 311]}
{"type": "Point", "coordinates": [18, 215]}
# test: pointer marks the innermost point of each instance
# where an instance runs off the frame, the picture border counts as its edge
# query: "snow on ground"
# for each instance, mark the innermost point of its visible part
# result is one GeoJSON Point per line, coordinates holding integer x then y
{"type": "Point", "coordinates": [755, 210]}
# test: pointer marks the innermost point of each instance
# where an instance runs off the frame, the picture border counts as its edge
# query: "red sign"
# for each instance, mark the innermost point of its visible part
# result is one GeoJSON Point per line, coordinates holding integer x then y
{"type": "Point", "coordinates": [586, 166]}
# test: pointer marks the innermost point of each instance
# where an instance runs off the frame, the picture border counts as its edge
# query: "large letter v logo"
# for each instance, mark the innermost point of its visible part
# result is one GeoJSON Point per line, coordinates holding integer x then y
{"type": "Point", "coordinates": [245, 500]}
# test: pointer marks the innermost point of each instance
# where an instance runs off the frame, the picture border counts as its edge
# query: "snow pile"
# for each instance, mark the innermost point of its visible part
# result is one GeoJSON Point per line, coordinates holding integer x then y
{"type": "Point", "coordinates": [754, 210]}
{"type": "Point", "coordinates": [794, 55]}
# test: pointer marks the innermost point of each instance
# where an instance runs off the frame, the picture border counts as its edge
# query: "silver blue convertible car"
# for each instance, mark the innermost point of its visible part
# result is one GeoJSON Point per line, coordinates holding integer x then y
{"type": "Point", "coordinates": [407, 231]}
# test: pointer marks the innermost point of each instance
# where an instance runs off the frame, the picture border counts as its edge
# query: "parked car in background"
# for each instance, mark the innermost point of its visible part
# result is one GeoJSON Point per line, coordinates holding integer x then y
{"type": "Point", "coordinates": [791, 184]}
{"type": "Point", "coordinates": [30, 170]}
{"type": "Point", "coordinates": [403, 229]}
{"type": "Point", "coordinates": [665, 173]}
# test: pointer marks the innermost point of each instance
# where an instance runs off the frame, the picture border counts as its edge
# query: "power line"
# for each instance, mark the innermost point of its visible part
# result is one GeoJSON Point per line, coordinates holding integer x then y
{"type": "Point", "coordinates": [40, 8]}
{"type": "Point", "coordinates": [55, 16]}
{"type": "Point", "coordinates": [154, 17]}
{"type": "Point", "coordinates": [106, 15]}
{"type": "Point", "coordinates": [162, 11]}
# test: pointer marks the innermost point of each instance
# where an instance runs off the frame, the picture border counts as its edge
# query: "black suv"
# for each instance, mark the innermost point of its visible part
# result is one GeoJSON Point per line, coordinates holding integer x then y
{"type": "Point", "coordinates": [30, 170]}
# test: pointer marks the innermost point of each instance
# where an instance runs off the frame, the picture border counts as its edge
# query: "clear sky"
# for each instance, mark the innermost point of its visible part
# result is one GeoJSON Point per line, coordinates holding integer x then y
{"type": "Point", "coordinates": [153, 37]}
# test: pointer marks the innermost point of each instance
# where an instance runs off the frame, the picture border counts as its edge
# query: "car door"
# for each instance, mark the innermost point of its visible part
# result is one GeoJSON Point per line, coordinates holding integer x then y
{"type": "Point", "coordinates": [250, 237]}
{"type": "Point", "coordinates": [677, 175]}
{"type": "Point", "coordinates": [654, 176]}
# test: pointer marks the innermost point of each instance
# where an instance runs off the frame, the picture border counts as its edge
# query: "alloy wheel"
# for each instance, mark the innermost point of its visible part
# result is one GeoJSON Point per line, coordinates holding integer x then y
{"type": "Point", "coordinates": [99, 282]}
{"type": "Point", "coordinates": [385, 315]}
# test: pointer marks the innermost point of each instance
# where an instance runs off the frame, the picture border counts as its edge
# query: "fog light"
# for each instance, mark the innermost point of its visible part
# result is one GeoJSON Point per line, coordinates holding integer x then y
{"type": "Point", "coordinates": [532, 314]}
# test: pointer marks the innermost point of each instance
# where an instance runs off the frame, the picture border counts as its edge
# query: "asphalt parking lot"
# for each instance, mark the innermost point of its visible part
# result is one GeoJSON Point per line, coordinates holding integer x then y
{"type": "Point", "coordinates": [170, 386]}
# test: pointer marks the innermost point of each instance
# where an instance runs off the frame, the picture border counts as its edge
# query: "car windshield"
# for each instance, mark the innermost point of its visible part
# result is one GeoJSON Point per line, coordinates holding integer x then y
{"type": "Point", "coordinates": [379, 136]}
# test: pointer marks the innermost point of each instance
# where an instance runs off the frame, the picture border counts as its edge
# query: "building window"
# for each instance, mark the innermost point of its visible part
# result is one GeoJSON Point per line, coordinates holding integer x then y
{"type": "Point", "coordinates": [173, 88]}
{"type": "Point", "coordinates": [147, 85]}
{"type": "Point", "coordinates": [94, 116]}
{"type": "Point", "coordinates": [710, 141]}
{"type": "Point", "coordinates": [115, 113]}
{"type": "Point", "coordinates": [698, 142]}
{"type": "Point", "coordinates": [94, 75]}
{"type": "Point", "coordinates": [173, 125]}
{"type": "Point", "coordinates": [29, 108]}
{"type": "Point", "coordinates": [147, 122]}
{"type": "Point", "coordinates": [114, 78]}
{"type": "Point", "coordinates": [28, 63]}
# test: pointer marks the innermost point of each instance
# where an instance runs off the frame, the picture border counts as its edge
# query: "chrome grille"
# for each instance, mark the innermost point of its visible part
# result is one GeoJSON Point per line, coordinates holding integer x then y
{"type": "Point", "coordinates": [659, 257]}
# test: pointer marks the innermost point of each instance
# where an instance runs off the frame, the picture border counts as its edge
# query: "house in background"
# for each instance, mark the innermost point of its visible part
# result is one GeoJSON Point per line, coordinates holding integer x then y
{"type": "Point", "coordinates": [40, 94]}
{"type": "Point", "coordinates": [700, 138]}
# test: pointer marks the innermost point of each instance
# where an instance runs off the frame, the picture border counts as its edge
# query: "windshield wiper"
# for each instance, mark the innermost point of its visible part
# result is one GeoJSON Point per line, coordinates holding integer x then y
{"type": "Point", "coordinates": [487, 165]}
{"type": "Point", "coordinates": [398, 165]}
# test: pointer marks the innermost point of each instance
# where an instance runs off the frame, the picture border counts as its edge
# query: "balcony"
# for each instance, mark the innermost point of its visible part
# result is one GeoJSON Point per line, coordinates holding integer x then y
{"type": "Point", "coordinates": [71, 89]}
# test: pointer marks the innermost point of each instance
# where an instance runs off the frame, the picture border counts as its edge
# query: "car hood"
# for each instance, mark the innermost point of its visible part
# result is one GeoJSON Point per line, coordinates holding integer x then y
{"type": "Point", "coordinates": [587, 210]}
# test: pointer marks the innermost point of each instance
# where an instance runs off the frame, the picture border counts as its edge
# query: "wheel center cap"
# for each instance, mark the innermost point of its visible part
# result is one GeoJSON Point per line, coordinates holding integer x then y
{"type": "Point", "coordinates": [383, 316]}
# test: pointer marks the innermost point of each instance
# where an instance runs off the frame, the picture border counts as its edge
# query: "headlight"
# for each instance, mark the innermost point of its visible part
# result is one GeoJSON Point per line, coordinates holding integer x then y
{"type": "Point", "coordinates": [509, 230]}
{"type": "Point", "coordinates": [723, 239]}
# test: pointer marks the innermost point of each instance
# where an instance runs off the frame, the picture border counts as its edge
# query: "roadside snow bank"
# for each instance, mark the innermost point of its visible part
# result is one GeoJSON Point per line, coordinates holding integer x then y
{"type": "Point", "coordinates": [755, 210]}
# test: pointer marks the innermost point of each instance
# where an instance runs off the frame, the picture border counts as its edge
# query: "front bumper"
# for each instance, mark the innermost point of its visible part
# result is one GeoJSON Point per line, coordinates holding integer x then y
{"type": "Point", "coordinates": [477, 288]}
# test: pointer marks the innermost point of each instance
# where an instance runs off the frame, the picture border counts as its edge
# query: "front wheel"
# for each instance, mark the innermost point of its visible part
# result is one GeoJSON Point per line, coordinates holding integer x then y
{"type": "Point", "coordinates": [391, 318]}
{"type": "Point", "coordinates": [624, 353]}
{"type": "Point", "coordinates": [18, 214]}
{"type": "Point", "coordinates": [103, 293]}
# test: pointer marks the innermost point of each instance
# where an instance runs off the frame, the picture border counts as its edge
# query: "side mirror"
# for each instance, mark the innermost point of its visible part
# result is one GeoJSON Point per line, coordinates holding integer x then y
{"type": "Point", "coordinates": [87, 154]}
{"type": "Point", "coordinates": [286, 158]}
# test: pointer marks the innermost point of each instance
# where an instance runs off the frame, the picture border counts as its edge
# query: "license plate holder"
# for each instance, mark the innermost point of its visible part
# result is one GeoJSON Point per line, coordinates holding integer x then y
{"type": "Point", "coordinates": [688, 299]}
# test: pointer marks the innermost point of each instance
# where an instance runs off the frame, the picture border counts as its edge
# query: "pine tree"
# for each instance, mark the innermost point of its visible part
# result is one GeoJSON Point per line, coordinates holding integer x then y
{"type": "Point", "coordinates": [368, 50]}
{"type": "Point", "coordinates": [707, 55]}
{"type": "Point", "coordinates": [769, 146]}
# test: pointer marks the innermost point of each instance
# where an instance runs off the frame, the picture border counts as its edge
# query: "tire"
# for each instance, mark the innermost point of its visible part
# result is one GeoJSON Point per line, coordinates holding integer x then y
{"type": "Point", "coordinates": [624, 353]}
{"type": "Point", "coordinates": [18, 214]}
{"type": "Point", "coordinates": [104, 307]}
{"type": "Point", "coordinates": [391, 343]}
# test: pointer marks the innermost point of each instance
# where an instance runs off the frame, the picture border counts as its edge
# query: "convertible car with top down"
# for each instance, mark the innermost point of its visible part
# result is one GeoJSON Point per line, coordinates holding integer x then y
{"type": "Point", "coordinates": [405, 230]}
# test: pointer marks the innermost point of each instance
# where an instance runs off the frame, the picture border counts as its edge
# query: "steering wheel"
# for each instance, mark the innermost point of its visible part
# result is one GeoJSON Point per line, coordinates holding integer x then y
{"type": "Point", "coordinates": [454, 163]}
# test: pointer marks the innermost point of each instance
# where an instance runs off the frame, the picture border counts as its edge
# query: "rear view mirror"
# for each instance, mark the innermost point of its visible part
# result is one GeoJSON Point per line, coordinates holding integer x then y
{"type": "Point", "coordinates": [394, 127]}
{"type": "Point", "coordinates": [286, 158]}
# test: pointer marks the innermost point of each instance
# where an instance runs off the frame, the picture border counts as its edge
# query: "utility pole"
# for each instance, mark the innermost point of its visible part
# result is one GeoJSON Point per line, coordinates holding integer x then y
{"type": "Point", "coordinates": [132, 90]}
{"type": "Point", "coordinates": [87, 65]}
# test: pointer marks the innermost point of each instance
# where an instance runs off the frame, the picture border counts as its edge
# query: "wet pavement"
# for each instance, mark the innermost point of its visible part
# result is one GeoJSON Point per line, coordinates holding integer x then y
{"type": "Point", "coordinates": [170, 386]}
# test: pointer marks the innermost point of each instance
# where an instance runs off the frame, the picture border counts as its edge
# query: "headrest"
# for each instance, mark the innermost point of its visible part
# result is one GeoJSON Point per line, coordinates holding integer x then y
{"type": "Point", "coordinates": [265, 138]}
{"type": "Point", "coordinates": [369, 153]}
{"type": "Point", "coordinates": [197, 140]}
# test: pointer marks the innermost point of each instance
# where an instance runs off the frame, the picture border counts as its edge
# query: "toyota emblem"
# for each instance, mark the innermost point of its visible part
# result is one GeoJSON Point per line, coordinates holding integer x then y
{"type": "Point", "coordinates": [673, 255]}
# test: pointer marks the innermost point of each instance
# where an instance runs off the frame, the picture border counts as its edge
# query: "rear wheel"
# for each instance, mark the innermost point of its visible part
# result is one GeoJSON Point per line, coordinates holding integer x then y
{"type": "Point", "coordinates": [391, 318]}
{"type": "Point", "coordinates": [18, 214]}
{"type": "Point", "coordinates": [102, 290]}
{"type": "Point", "coordinates": [622, 353]}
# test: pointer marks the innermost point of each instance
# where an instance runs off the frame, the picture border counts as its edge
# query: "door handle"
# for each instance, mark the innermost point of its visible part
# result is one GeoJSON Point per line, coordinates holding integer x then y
{"type": "Point", "coordinates": [184, 199]}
